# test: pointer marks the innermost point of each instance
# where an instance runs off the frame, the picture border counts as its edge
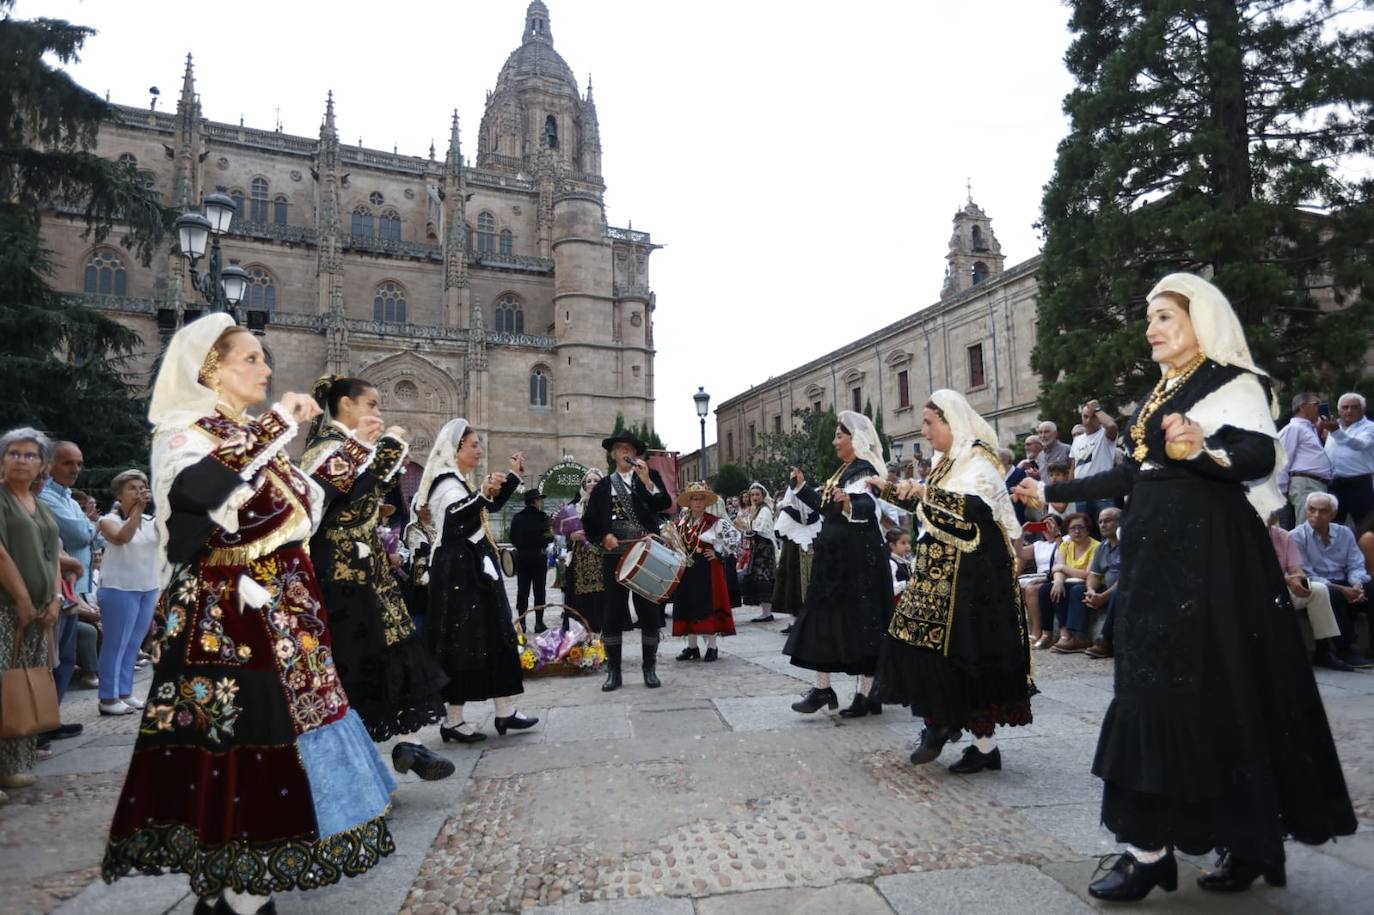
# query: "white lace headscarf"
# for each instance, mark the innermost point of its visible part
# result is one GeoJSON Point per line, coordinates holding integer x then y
{"type": "Point", "coordinates": [974, 472]}
{"type": "Point", "coordinates": [867, 445]}
{"type": "Point", "coordinates": [1241, 403]}
{"type": "Point", "coordinates": [443, 458]}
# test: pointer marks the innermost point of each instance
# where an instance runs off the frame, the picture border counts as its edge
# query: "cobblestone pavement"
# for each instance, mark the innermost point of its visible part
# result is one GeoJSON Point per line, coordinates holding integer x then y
{"type": "Point", "coordinates": [710, 796]}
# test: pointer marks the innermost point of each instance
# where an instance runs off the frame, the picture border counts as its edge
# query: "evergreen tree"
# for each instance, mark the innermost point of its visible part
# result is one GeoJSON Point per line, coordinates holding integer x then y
{"type": "Point", "coordinates": [1209, 136]}
{"type": "Point", "coordinates": [730, 480]}
{"type": "Point", "coordinates": [64, 367]}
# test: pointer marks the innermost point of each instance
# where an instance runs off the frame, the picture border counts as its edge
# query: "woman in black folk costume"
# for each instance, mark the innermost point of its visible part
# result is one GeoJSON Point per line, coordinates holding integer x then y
{"type": "Point", "coordinates": [626, 505]}
{"type": "Point", "coordinates": [391, 681]}
{"type": "Point", "coordinates": [584, 582]}
{"type": "Point", "coordinates": [470, 629]}
{"type": "Point", "coordinates": [1216, 737]}
{"type": "Point", "coordinates": [701, 603]}
{"type": "Point", "coordinates": [957, 651]}
{"type": "Point", "coordinates": [755, 521]}
{"type": "Point", "coordinates": [849, 598]}
{"type": "Point", "coordinates": [250, 774]}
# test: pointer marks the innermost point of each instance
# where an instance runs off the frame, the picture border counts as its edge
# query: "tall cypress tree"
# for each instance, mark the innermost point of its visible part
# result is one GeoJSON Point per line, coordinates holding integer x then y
{"type": "Point", "coordinates": [64, 363]}
{"type": "Point", "coordinates": [1210, 136]}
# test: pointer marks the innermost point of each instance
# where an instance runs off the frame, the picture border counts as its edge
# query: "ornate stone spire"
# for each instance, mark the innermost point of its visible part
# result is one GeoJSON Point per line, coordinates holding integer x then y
{"type": "Point", "coordinates": [329, 126]}
{"type": "Point", "coordinates": [453, 161]}
{"type": "Point", "coordinates": [187, 104]}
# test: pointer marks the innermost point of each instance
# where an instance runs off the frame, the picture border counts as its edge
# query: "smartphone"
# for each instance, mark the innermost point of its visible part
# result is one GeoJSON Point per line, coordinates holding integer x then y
{"type": "Point", "coordinates": [1324, 410]}
{"type": "Point", "coordinates": [1034, 527]}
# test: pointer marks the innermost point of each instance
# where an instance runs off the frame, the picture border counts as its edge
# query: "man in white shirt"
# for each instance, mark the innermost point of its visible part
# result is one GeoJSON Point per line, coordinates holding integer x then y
{"type": "Point", "coordinates": [1350, 445]}
{"type": "Point", "coordinates": [1093, 452]}
{"type": "Point", "coordinates": [1331, 556]}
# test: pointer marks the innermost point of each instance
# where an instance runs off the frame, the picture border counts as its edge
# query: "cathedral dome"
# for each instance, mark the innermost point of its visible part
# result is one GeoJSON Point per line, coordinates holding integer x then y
{"type": "Point", "coordinates": [536, 57]}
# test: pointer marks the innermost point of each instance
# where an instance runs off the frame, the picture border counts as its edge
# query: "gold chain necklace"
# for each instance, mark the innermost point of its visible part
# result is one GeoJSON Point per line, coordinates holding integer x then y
{"type": "Point", "coordinates": [831, 483]}
{"type": "Point", "coordinates": [1162, 392]}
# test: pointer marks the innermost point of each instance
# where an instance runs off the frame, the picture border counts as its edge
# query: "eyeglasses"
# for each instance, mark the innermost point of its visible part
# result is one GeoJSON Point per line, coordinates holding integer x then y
{"type": "Point", "coordinates": [23, 455]}
{"type": "Point", "coordinates": [1078, 527]}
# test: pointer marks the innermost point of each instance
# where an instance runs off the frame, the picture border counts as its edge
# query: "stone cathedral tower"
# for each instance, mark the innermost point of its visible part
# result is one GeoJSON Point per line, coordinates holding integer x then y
{"type": "Point", "coordinates": [975, 255]}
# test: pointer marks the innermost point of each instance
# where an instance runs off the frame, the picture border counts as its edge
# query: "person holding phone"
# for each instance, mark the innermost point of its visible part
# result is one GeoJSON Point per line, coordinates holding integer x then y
{"type": "Point", "coordinates": [1309, 467]}
{"type": "Point", "coordinates": [128, 589]}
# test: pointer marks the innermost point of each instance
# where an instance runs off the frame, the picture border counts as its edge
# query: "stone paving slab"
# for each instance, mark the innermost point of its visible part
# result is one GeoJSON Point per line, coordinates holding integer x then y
{"type": "Point", "coordinates": [771, 713]}
{"type": "Point", "coordinates": [653, 905]}
{"type": "Point", "coordinates": [991, 890]}
{"type": "Point", "coordinates": [840, 899]}
{"type": "Point", "coordinates": [1077, 826]}
{"type": "Point", "coordinates": [658, 724]}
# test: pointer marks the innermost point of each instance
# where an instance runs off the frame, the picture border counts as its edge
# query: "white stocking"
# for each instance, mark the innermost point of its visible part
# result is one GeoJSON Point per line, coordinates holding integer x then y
{"type": "Point", "coordinates": [455, 714]}
{"type": "Point", "coordinates": [1146, 857]}
{"type": "Point", "coordinates": [711, 641]}
{"type": "Point", "coordinates": [505, 706]}
{"type": "Point", "coordinates": [822, 679]}
{"type": "Point", "coordinates": [692, 640]}
{"type": "Point", "coordinates": [985, 745]}
{"type": "Point", "coordinates": [865, 686]}
{"type": "Point", "coordinates": [244, 903]}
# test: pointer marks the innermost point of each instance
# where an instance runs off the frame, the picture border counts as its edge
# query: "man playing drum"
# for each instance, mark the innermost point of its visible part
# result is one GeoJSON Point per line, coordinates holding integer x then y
{"type": "Point", "coordinates": [623, 508]}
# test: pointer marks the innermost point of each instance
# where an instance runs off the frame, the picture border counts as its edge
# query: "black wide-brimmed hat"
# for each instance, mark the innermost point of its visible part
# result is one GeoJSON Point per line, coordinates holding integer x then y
{"type": "Point", "coordinates": [532, 496]}
{"type": "Point", "coordinates": [640, 448]}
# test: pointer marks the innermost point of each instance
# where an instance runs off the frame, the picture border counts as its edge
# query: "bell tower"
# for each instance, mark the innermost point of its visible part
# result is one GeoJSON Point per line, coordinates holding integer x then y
{"type": "Point", "coordinates": [975, 256]}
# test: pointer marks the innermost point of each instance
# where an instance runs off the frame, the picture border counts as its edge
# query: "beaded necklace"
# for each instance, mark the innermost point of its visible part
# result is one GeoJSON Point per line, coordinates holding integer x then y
{"type": "Point", "coordinates": [1162, 392]}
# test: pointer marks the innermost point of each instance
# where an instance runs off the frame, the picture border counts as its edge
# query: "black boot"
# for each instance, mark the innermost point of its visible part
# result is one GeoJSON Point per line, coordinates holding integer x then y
{"type": "Point", "coordinates": [650, 664]}
{"type": "Point", "coordinates": [690, 653]}
{"type": "Point", "coordinates": [933, 740]}
{"type": "Point", "coordinates": [1234, 875]}
{"type": "Point", "coordinates": [814, 699]}
{"type": "Point", "coordinates": [857, 709]}
{"type": "Point", "coordinates": [613, 682]}
{"type": "Point", "coordinates": [711, 655]}
{"type": "Point", "coordinates": [427, 764]}
{"type": "Point", "coordinates": [975, 760]}
{"type": "Point", "coordinates": [539, 621]}
{"type": "Point", "coordinates": [1130, 881]}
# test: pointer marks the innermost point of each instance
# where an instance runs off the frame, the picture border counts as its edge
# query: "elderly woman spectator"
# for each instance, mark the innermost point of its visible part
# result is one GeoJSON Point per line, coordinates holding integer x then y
{"type": "Point", "coordinates": [128, 589]}
{"type": "Point", "coordinates": [1037, 558]}
{"type": "Point", "coordinates": [1061, 597]}
{"type": "Point", "coordinates": [1331, 556]}
{"type": "Point", "coordinates": [29, 581]}
{"type": "Point", "coordinates": [1350, 445]}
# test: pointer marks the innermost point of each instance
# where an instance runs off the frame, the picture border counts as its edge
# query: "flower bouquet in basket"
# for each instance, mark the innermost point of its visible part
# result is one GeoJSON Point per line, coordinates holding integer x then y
{"type": "Point", "coordinates": [558, 651]}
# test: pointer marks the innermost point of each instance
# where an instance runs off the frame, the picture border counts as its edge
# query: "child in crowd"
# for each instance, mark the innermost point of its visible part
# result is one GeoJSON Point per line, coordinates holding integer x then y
{"type": "Point", "coordinates": [899, 559]}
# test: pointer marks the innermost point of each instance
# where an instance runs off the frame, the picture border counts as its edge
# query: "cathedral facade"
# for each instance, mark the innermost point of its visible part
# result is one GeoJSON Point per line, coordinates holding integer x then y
{"type": "Point", "coordinates": [976, 339]}
{"type": "Point", "coordinates": [493, 290]}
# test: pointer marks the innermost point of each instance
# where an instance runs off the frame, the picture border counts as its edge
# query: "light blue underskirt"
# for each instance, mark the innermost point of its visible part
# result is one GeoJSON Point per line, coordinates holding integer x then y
{"type": "Point", "coordinates": [349, 783]}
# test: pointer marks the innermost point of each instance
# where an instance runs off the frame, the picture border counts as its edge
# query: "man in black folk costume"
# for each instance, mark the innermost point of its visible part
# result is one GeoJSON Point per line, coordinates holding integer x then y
{"type": "Point", "coordinates": [625, 506]}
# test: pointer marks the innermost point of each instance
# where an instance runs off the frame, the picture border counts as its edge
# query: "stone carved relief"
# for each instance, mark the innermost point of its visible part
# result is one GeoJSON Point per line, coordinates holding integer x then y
{"type": "Point", "coordinates": [415, 394]}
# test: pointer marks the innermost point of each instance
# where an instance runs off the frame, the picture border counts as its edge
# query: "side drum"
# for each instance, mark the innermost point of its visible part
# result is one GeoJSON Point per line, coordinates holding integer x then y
{"type": "Point", "coordinates": [651, 569]}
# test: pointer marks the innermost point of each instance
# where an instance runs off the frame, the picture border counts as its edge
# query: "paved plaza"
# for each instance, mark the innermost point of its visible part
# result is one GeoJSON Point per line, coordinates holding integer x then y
{"type": "Point", "coordinates": [710, 796]}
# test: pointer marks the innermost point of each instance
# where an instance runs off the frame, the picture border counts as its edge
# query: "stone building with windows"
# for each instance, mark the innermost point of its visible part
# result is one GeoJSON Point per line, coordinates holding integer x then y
{"type": "Point", "coordinates": [492, 290]}
{"type": "Point", "coordinates": [977, 339]}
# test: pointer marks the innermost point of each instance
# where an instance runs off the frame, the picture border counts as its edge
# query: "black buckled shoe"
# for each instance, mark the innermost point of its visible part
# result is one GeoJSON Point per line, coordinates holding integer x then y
{"type": "Point", "coordinates": [933, 740]}
{"type": "Point", "coordinates": [975, 760]}
{"type": "Point", "coordinates": [1130, 881]}
{"type": "Point", "coordinates": [514, 722]}
{"type": "Point", "coordinates": [712, 654]}
{"type": "Point", "coordinates": [456, 736]}
{"type": "Point", "coordinates": [690, 653]}
{"type": "Point", "coordinates": [426, 764]}
{"type": "Point", "coordinates": [815, 698]}
{"type": "Point", "coordinates": [857, 709]}
{"type": "Point", "coordinates": [1234, 875]}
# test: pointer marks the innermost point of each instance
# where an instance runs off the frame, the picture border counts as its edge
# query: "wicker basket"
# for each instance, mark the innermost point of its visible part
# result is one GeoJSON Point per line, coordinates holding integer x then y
{"type": "Point", "coordinates": [587, 655]}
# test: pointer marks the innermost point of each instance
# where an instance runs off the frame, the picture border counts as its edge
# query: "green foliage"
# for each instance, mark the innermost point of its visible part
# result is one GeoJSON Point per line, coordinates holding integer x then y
{"type": "Point", "coordinates": [730, 480]}
{"type": "Point", "coordinates": [64, 369]}
{"type": "Point", "coordinates": [1209, 136]}
{"type": "Point", "coordinates": [807, 445]}
{"type": "Point", "coordinates": [642, 431]}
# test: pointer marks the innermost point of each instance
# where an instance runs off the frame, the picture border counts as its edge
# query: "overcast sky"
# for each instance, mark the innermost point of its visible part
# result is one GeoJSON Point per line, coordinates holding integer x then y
{"type": "Point", "coordinates": [800, 162]}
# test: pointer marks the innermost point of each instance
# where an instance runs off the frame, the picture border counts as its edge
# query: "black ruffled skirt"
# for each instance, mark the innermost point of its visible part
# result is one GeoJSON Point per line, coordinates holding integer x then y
{"type": "Point", "coordinates": [841, 625]}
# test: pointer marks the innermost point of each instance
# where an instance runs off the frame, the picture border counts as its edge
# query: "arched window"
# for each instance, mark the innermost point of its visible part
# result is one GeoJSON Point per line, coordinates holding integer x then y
{"type": "Point", "coordinates": [486, 234]}
{"type": "Point", "coordinates": [257, 203]}
{"type": "Point", "coordinates": [978, 243]}
{"type": "Point", "coordinates": [105, 273]}
{"type": "Point", "coordinates": [551, 131]}
{"type": "Point", "coordinates": [240, 213]}
{"type": "Point", "coordinates": [980, 272]}
{"type": "Point", "coordinates": [362, 222]}
{"type": "Point", "coordinates": [510, 315]}
{"type": "Point", "coordinates": [539, 387]}
{"type": "Point", "coordinates": [507, 242]}
{"type": "Point", "coordinates": [261, 294]}
{"type": "Point", "coordinates": [467, 239]}
{"type": "Point", "coordinates": [389, 226]}
{"type": "Point", "coordinates": [279, 210]}
{"type": "Point", "coordinates": [389, 303]}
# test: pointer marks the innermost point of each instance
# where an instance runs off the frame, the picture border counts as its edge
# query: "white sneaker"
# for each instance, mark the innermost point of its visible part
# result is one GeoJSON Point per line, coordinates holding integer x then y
{"type": "Point", "coordinates": [117, 707]}
{"type": "Point", "coordinates": [131, 702]}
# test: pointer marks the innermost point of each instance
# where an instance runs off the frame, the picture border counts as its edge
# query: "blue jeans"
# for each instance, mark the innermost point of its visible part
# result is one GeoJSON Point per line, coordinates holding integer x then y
{"type": "Point", "coordinates": [66, 652]}
{"type": "Point", "coordinates": [1071, 612]}
{"type": "Point", "coordinates": [126, 616]}
{"type": "Point", "coordinates": [1109, 621]}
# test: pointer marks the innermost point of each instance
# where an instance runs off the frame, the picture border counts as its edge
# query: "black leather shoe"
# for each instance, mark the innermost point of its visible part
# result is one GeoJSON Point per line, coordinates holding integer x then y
{"type": "Point", "coordinates": [456, 736]}
{"type": "Point", "coordinates": [974, 760]}
{"type": "Point", "coordinates": [933, 740]}
{"type": "Point", "coordinates": [428, 765]}
{"type": "Point", "coordinates": [62, 732]}
{"type": "Point", "coordinates": [689, 654]}
{"type": "Point", "coordinates": [762, 618]}
{"type": "Point", "coordinates": [711, 655]}
{"type": "Point", "coordinates": [814, 699]}
{"type": "Point", "coordinates": [1130, 881]}
{"type": "Point", "coordinates": [786, 629]}
{"type": "Point", "coordinates": [514, 723]}
{"type": "Point", "coordinates": [222, 908]}
{"type": "Point", "coordinates": [1326, 657]}
{"type": "Point", "coordinates": [857, 709]}
{"type": "Point", "coordinates": [1234, 875]}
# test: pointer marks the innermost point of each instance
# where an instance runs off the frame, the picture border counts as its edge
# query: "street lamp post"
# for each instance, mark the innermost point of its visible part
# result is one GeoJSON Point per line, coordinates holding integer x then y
{"type": "Point", "coordinates": [222, 287]}
{"type": "Point", "coordinates": [703, 402]}
{"type": "Point", "coordinates": [897, 455]}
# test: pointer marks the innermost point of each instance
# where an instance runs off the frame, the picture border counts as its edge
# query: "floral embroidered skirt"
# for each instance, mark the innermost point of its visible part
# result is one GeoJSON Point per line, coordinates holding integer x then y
{"type": "Point", "coordinates": [250, 771]}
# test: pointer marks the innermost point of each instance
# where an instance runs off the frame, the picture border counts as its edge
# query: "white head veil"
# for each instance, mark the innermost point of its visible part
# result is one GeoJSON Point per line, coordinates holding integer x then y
{"type": "Point", "coordinates": [867, 445]}
{"type": "Point", "coordinates": [178, 396]}
{"type": "Point", "coordinates": [973, 472]}
{"type": "Point", "coordinates": [1243, 403]}
{"type": "Point", "coordinates": [442, 459]}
